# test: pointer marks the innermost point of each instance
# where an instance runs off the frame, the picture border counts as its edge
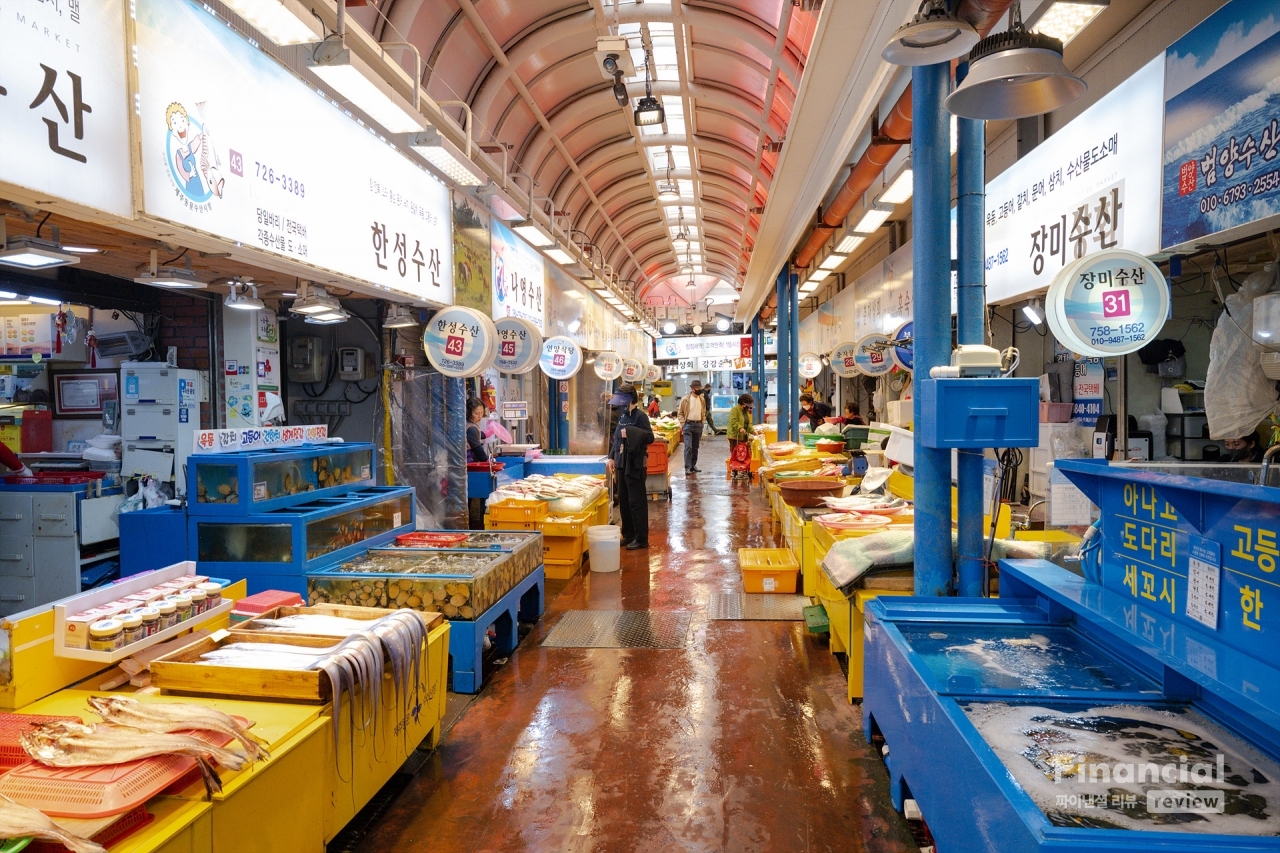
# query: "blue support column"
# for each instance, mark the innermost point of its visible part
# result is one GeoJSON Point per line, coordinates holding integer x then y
{"type": "Point", "coordinates": [794, 349]}
{"type": "Point", "coordinates": [784, 356]}
{"type": "Point", "coordinates": [971, 328]}
{"type": "Point", "coordinates": [757, 367]}
{"type": "Point", "coordinates": [931, 295]}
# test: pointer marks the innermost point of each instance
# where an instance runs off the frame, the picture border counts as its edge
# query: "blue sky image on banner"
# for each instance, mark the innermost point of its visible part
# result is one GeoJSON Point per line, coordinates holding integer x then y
{"type": "Point", "coordinates": [1222, 123]}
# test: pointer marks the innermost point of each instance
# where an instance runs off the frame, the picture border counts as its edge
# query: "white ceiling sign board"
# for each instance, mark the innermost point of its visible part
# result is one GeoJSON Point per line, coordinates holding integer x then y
{"type": "Point", "coordinates": [234, 145]}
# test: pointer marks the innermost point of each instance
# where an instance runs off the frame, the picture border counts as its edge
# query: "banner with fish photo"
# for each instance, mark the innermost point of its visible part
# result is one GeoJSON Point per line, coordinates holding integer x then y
{"type": "Point", "coordinates": [1222, 125]}
{"type": "Point", "coordinates": [472, 268]}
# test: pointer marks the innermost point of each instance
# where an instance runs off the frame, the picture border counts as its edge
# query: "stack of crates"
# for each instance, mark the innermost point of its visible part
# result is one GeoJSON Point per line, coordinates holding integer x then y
{"type": "Point", "coordinates": [657, 481]}
{"type": "Point", "coordinates": [564, 538]}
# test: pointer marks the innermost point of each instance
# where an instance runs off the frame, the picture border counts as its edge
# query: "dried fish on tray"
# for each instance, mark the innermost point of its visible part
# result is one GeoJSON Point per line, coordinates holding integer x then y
{"type": "Point", "coordinates": [18, 821]}
{"type": "Point", "coordinates": [458, 584]}
{"type": "Point", "coordinates": [176, 717]}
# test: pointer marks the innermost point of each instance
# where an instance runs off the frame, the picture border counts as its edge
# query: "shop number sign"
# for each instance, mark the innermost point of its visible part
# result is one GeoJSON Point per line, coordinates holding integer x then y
{"type": "Point", "coordinates": [608, 365]}
{"type": "Point", "coordinates": [519, 345]}
{"type": "Point", "coordinates": [872, 355]}
{"type": "Point", "coordinates": [652, 373]}
{"type": "Point", "coordinates": [561, 358]}
{"type": "Point", "coordinates": [1109, 303]}
{"type": "Point", "coordinates": [460, 342]}
{"type": "Point", "coordinates": [844, 362]}
{"type": "Point", "coordinates": [632, 370]}
{"type": "Point", "coordinates": [810, 364]}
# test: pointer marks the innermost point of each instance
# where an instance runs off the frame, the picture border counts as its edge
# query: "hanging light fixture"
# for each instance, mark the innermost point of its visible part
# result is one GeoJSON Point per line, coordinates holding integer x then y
{"type": "Point", "coordinates": [649, 109]}
{"type": "Point", "coordinates": [1015, 74]}
{"type": "Point", "coordinates": [243, 296]}
{"type": "Point", "coordinates": [314, 299]}
{"type": "Point", "coordinates": [1034, 312]}
{"type": "Point", "coordinates": [669, 327]}
{"type": "Point", "coordinates": [32, 252]}
{"type": "Point", "coordinates": [722, 324]}
{"type": "Point", "coordinates": [934, 35]}
{"type": "Point", "coordinates": [399, 317]}
{"type": "Point", "coordinates": [668, 190]}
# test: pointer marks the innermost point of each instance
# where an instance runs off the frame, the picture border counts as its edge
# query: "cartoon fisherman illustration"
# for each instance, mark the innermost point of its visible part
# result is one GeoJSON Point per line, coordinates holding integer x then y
{"type": "Point", "coordinates": [189, 149]}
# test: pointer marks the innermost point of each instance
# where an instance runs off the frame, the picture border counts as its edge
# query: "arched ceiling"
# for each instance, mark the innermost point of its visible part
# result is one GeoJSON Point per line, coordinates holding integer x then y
{"type": "Point", "coordinates": [726, 72]}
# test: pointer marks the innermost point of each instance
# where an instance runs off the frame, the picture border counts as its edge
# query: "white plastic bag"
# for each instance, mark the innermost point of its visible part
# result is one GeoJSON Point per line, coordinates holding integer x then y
{"type": "Point", "coordinates": [1237, 396]}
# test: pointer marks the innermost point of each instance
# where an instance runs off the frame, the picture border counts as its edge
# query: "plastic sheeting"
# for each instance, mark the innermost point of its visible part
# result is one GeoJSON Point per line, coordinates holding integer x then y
{"type": "Point", "coordinates": [428, 432]}
{"type": "Point", "coordinates": [1237, 396]}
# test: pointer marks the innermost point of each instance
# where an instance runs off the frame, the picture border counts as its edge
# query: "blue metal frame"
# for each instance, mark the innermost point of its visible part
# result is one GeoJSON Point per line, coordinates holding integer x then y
{"type": "Point", "coordinates": [785, 393]}
{"type": "Point", "coordinates": [525, 602]}
{"type": "Point", "coordinates": [793, 363]}
{"type": "Point", "coordinates": [244, 463]}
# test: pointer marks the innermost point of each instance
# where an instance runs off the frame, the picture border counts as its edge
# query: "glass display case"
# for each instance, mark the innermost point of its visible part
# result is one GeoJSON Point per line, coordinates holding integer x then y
{"type": "Point", "coordinates": [241, 483]}
{"type": "Point", "coordinates": [273, 550]}
{"type": "Point", "coordinates": [458, 583]}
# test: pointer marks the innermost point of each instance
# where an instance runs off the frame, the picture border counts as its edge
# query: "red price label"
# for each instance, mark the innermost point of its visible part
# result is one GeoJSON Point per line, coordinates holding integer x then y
{"type": "Point", "coordinates": [454, 345]}
{"type": "Point", "coordinates": [850, 361]}
{"type": "Point", "coordinates": [876, 357]}
{"type": "Point", "coordinates": [508, 349]}
{"type": "Point", "coordinates": [1115, 303]}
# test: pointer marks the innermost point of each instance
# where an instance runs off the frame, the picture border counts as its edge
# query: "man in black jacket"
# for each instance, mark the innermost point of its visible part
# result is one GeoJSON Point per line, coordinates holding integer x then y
{"type": "Point", "coordinates": [628, 459]}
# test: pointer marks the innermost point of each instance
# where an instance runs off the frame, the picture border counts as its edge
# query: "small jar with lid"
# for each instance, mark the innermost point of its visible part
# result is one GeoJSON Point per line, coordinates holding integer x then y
{"type": "Point", "coordinates": [133, 630]}
{"type": "Point", "coordinates": [168, 614]}
{"type": "Point", "coordinates": [199, 600]}
{"type": "Point", "coordinates": [212, 594]}
{"type": "Point", "coordinates": [106, 635]}
{"type": "Point", "coordinates": [150, 620]}
{"type": "Point", "coordinates": [182, 603]}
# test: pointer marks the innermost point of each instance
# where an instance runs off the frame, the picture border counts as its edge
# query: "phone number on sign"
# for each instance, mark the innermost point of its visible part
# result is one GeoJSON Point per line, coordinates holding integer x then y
{"type": "Point", "coordinates": [1241, 191]}
{"type": "Point", "coordinates": [1111, 335]}
{"type": "Point", "coordinates": [279, 179]}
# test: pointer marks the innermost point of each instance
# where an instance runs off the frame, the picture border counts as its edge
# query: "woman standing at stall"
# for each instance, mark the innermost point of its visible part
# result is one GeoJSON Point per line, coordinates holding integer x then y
{"type": "Point", "coordinates": [629, 458]}
{"type": "Point", "coordinates": [475, 439]}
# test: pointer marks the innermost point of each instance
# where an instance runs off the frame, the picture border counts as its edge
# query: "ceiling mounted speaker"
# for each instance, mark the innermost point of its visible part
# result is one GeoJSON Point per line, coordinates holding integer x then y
{"type": "Point", "coordinates": [1013, 75]}
{"type": "Point", "coordinates": [934, 35]}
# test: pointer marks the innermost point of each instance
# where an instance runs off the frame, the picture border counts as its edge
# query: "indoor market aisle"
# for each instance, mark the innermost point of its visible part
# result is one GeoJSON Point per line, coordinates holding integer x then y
{"type": "Point", "coordinates": [740, 741]}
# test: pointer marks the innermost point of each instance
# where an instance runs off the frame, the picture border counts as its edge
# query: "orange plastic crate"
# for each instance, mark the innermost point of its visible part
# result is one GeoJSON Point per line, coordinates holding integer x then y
{"type": "Point", "coordinates": [658, 459]}
{"type": "Point", "coordinates": [768, 569]}
{"type": "Point", "coordinates": [562, 570]}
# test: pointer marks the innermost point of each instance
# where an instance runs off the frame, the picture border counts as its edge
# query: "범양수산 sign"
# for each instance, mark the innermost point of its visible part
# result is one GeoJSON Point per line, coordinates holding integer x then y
{"type": "Point", "coordinates": [1110, 303]}
{"type": "Point", "coordinates": [519, 345]}
{"type": "Point", "coordinates": [460, 342]}
{"type": "Point", "coordinates": [561, 357]}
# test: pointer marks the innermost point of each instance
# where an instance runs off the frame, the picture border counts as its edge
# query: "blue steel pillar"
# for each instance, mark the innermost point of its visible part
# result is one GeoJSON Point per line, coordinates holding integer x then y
{"type": "Point", "coordinates": [971, 327]}
{"type": "Point", "coordinates": [793, 403]}
{"type": "Point", "coordinates": [757, 367]}
{"type": "Point", "coordinates": [931, 296]}
{"type": "Point", "coordinates": [784, 356]}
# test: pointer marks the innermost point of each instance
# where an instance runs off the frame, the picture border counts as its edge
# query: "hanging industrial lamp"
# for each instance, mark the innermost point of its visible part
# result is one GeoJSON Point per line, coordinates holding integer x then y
{"type": "Point", "coordinates": [1015, 74]}
{"type": "Point", "coordinates": [649, 109]}
{"type": "Point", "coordinates": [934, 35]}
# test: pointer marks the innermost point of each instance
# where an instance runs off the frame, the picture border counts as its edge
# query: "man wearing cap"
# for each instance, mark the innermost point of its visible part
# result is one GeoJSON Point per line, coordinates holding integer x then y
{"type": "Point", "coordinates": [691, 414]}
{"type": "Point", "coordinates": [628, 458]}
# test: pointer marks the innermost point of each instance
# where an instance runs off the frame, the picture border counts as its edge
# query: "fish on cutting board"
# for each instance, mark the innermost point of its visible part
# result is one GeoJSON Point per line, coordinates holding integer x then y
{"type": "Point", "coordinates": [19, 821]}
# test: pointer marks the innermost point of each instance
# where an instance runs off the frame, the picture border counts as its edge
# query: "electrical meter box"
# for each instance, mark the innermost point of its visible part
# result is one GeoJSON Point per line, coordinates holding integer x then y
{"type": "Point", "coordinates": [354, 364]}
{"type": "Point", "coordinates": [306, 359]}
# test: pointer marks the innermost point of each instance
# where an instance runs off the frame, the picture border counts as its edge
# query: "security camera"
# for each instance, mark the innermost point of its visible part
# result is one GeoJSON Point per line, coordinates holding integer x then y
{"type": "Point", "coordinates": [620, 90]}
{"type": "Point", "coordinates": [611, 63]}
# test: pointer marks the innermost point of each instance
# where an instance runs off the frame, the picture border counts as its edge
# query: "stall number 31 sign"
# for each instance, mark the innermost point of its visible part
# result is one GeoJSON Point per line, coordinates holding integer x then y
{"type": "Point", "coordinates": [1109, 303]}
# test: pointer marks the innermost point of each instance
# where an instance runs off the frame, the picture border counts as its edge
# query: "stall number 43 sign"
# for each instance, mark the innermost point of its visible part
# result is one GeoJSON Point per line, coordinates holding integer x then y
{"type": "Point", "coordinates": [455, 346]}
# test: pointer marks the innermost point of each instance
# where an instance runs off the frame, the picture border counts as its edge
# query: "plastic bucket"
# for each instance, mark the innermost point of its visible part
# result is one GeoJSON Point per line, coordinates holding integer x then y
{"type": "Point", "coordinates": [604, 542]}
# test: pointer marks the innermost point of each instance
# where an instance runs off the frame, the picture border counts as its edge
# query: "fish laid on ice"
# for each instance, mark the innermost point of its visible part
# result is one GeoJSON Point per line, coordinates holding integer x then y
{"type": "Point", "coordinates": [318, 624]}
{"type": "Point", "coordinates": [65, 744]}
{"type": "Point", "coordinates": [19, 821]}
{"type": "Point", "coordinates": [174, 717]}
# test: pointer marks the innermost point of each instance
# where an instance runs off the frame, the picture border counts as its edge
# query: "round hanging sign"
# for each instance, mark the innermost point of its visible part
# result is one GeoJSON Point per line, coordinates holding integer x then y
{"type": "Point", "coordinates": [608, 365]}
{"type": "Point", "coordinates": [810, 364]}
{"type": "Point", "coordinates": [632, 370]}
{"type": "Point", "coordinates": [519, 345]}
{"type": "Point", "coordinates": [874, 360]}
{"type": "Point", "coordinates": [460, 342]}
{"type": "Point", "coordinates": [904, 357]}
{"type": "Point", "coordinates": [844, 360]}
{"type": "Point", "coordinates": [652, 373]}
{"type": "Point", "coordinates": [1109, 303]}
{"type": "Point", "coordinates": [561, 358]}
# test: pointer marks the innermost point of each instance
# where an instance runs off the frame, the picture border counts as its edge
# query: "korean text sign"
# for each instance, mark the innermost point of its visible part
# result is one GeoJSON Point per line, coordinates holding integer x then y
{"type": "Point", "coordinates": [519, 278]}
{"type": "Point", "coordinates": [235, 145]}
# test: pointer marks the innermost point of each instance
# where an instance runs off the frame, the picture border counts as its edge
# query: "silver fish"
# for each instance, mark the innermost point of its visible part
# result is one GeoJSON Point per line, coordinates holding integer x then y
{"type": "Point", "coordinates": [175, 717]}
{"type": "Point", "coordinates": [19, 821]}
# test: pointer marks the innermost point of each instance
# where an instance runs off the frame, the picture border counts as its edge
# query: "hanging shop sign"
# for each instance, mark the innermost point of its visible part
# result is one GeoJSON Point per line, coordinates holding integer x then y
{"type": "Point", "coordinates": [64, 102]}
{"type": "Point", "coordinates": [519, 345]}
{"type": "Point", "coordinates": [1111, 303]}
{"type": "Point", "coordinates": [608, 365]}
{"type": "Point", "coordinates": [561, 358]}
{"type": "Point", "coordinates": [904, 357]}
{"type": "Point", "coordinates": [1222, 125]}
{"type": "Point", "coordinates": [460, 342]}
{"type": "Point", "coordinates": [844, 360]}
{"type": "Point", "coordinates": [810, 364]}
{"type": "Point", "coordinates": [233, 144]}
{"type": "Point", "coordinates": [1094, 185]}
{"type": "Point", "coordinates": [717, 363]}
{"type": "Point", "coordinates": [632, 371]}
{"type": "Point", "coordinates": [872, 355]}
{"type": "Point", "coordinates": [519, 278]}
{"type": "Point", "coordinates": [652, 373]}
{"type": "Point", "coordinates": [708, 346]}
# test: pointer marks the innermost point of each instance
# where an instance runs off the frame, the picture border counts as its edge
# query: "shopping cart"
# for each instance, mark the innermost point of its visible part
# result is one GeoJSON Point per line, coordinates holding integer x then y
{"type": "Point", "coordinates": [740, 462]}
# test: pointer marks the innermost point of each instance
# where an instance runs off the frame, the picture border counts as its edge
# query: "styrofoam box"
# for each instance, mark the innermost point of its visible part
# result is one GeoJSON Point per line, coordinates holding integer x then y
{"type": "Point", "coordinates": [1040, 459]}
{"type": "Point", "coordinates": [1039, 484]}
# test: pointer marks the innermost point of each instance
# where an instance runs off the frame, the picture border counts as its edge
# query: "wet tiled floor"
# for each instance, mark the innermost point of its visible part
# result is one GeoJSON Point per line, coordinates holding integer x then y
{"type": "Point", "coordinates": [740, 741]}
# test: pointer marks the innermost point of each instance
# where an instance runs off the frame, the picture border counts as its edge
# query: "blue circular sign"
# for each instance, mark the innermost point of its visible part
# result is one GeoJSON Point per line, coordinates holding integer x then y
{"type": "Point", "coordinates": [844, 361]}
{"type": "Point", "coordinates": [561, 357]}
{"type": "Point", "coordinates": [460, 342]}
{"type": "Point", "coordinates": [1109, 303]}
{"type": "Point", "coordinates": [905, 356]}
{"type": "Point", "coordinates": [872, 356]}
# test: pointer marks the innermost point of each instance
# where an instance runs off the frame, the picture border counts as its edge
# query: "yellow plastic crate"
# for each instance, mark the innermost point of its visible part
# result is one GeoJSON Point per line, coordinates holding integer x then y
{"type": "Point", "coordinates": [491, 523]}
{"type": "Point", "coordinates": [768, 569]}
{"type": "Point", "coordinates": [568, 525]}
{"type": "Point", "coordinates": [563, 548]}
{"type": "Point", "coordinates": [518, 509]}
{"type": "Point", "coordinates": [562, 570]}
{"type": "Point", "coordinates": [601, 509]}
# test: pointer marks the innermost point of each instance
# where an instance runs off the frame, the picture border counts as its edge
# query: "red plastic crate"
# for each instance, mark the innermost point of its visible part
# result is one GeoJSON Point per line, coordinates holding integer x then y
{"type": "Point", "coordinates": [263, 601]}
{"type": "Point", "coordinates": [119, 829]}
{"type": "Point", "coordinates": [430, 539]}
{"type": "Point", "coordinates": [11, 725]}
{"type": "Point", "coordinates": [46, 478]}
{"type": "Point", "coordinates": [658, 458]}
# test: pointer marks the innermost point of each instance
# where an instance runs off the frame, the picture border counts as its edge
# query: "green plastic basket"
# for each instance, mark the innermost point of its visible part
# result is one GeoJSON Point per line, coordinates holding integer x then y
{"type": "Point", "coordinates": [815, 617]}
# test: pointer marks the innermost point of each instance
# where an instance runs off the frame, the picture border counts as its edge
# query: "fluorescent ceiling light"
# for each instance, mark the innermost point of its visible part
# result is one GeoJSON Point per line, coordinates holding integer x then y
{"type": "Point", "coordinates": [171, 277]}
{"type": "Point", "coordinates": [1064, 19]}
{"type": "Point", "coordinates": [573, 294]}
{"type": "Point", "coordinates": [81, 250]}
{"type": "Point", "coordinates": [560, 256]}
{"type": "Point", "coordinates": [534, 235]}
{"type": "Point", "coordinates": [40, 300]}
{"type": "Point", "coordinates": [448, 158]}
{"type": "Point", "coordinates": [30, 253]}
{"type": "Point", "coordinates": [849, 242]}
{"type": "Point", "coordinates": [285, 22]}
{"type": "Point", "coordinates": [355, 80]}
{"type": "Point", "coordinates": [329, 318]}
{"type": "Point", "coordinates": [243, 296]}
{"type": "Point", "coordinates": [574, 326]}
{"type": "Point", "coordinates": [810, 286]}
{"type": "Point", "coordinates": [832, 261]}
{"type": "Point", "coordinates": [314, 299]}
{"type": "Point", "coordinates": [899, 189]}
{"type": "Point", "coordinates": [872, 218]}
{"type": "Point", "coordinates": [1032, 314]}
{"type": "Point", "coordinates": [819, 274]}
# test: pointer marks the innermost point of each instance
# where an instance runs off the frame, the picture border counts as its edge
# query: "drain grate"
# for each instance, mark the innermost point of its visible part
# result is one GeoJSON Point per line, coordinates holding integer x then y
{"type": "Point", "coordinates": [619, 629]}
{"type": "Point", "coordinates": [739, 606]}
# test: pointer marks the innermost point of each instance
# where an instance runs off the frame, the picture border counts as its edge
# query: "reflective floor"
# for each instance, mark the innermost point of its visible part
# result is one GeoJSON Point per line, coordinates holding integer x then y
{"type": "Point", "coordinates": [740, 741]}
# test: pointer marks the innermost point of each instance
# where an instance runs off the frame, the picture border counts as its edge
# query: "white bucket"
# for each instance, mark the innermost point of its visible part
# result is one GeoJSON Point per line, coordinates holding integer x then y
{"type": "Point", "coordinates": [604, 542]}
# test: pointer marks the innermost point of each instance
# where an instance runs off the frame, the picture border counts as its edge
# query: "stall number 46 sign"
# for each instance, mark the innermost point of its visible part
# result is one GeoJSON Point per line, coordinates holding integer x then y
{"type": "Point", "coordinates": [558, 359]}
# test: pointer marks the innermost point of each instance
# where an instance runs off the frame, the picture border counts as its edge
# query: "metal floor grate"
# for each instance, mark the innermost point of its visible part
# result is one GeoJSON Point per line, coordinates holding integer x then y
{"type": "Point", "coordinates": [619, 629]}
{"type": "Point", "coordinates": [740, 606]}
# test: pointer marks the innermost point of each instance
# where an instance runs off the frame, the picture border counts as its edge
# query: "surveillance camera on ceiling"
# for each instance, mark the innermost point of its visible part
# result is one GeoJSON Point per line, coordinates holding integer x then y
{"type": "Point", "coordinates": [613, 56]}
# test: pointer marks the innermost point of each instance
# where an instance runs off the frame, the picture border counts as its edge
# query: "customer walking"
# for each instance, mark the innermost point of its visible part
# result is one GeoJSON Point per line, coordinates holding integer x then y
{"type": "Point", "coordinates": [740, 421]}
{"type": "Point", "coordinates": [628, 458]}
{"type": "Point", "coordinates": [691, 414]}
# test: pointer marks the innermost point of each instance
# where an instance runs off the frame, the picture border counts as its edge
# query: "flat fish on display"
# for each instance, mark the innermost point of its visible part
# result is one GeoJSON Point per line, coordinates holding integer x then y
{"type": "Point", "coordinates": [175, 717]}
{"type": "Point", "coordinates": [19, 821]}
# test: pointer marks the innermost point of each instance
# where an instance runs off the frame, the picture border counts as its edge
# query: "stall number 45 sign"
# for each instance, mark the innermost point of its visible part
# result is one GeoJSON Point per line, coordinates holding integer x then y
{"type": "Point", "coordinates": [507, 349]}
{"type": "Point", "coordinates": [1115, 304]}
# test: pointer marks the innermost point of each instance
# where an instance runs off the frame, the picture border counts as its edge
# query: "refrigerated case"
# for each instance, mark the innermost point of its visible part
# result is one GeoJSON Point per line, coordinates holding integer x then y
{"type": "Point", "coordinates": [243, 483]}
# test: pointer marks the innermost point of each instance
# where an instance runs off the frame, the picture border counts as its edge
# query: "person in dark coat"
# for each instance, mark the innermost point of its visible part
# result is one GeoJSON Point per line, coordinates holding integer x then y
{"type": "Point", "coordinates": [628, 459]}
